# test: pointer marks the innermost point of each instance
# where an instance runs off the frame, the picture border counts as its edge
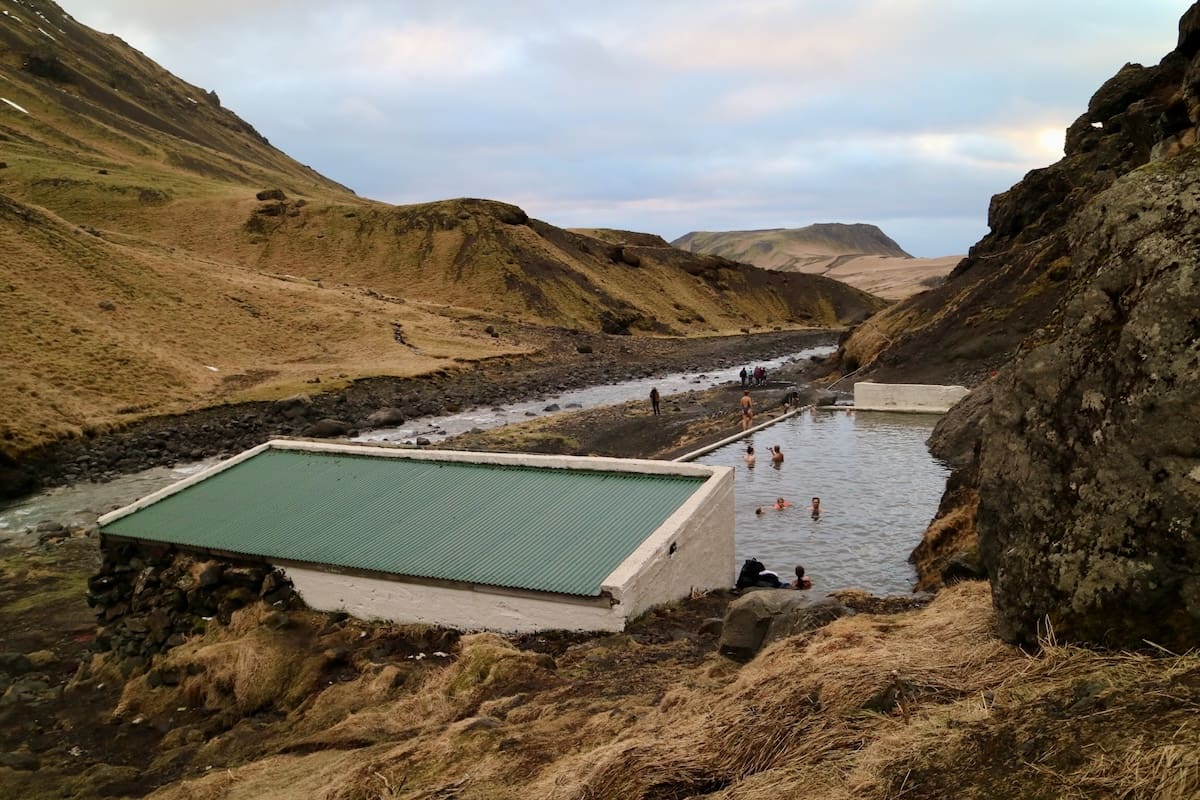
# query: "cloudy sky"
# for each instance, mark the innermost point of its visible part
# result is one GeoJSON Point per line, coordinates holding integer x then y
{"type": "Point", "coordinates": [667, 115]}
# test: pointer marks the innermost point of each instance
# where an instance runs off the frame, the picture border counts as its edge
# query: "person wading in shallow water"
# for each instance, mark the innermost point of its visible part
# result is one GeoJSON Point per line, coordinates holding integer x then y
{"type": "Point", "coordinates": [776, 456]}
{"type": "Point", "coordinates": [654, 398]}
{"type": "Point", "coordinates": [747, 411]}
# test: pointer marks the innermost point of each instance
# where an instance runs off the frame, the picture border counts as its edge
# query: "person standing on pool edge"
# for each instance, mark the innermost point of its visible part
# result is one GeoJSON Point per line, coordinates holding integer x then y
{"type": "Point", "coordinates": [654, 398]}
{"type": "Point", "coordinates": [747, 410]}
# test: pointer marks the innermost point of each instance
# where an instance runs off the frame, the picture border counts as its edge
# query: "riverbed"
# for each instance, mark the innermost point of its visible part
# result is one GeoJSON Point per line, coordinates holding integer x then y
{"type": "Point", "coordinates": [79, 505]}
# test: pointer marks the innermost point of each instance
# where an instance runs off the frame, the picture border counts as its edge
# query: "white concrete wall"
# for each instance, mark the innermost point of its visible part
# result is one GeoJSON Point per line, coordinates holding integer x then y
{"type": "Point", "coordinates": [477, 608]}
{"type": "Point", "coordinates": [702, 531]}
{"type": "Point", "coordinates": [598, 463]}
{"type": "Point", "coordinates": [914, 397]}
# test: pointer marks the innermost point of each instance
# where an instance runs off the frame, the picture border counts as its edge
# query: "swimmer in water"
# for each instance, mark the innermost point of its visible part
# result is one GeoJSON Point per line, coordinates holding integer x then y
{"type": "Point", "coordinates": [815, 508]}
{"type": "Point", "coordinates": [749, 458]}
{"type": "Point", "coordinates": [801, 581]}
{"type": "Point", "coordinates": [781, 504]}
{"type": "Point", "coordinates": [776, 456]}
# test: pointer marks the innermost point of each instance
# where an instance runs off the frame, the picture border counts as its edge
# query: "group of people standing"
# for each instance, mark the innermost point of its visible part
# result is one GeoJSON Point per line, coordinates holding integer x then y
{"type": "Point", "coordinates": [754, 377]}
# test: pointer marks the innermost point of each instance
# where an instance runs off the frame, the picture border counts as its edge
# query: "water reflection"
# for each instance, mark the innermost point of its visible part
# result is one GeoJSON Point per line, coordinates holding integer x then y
{"type": "Point", "coordinates": [878, 488]}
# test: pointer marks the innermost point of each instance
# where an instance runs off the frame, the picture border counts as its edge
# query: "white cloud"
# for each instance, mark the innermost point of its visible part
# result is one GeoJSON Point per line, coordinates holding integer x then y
{"type": "Point", "coordinates": [666, 116]}
{"type": "Point", "coordinates": [359, 110]}
{"type": "Point", "coordinates": [427, 50]}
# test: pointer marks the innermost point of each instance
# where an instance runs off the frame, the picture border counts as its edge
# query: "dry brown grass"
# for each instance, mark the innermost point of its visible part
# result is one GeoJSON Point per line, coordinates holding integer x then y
{"type": "Point", "coordinates": [953, 532]}
{"type": "Point", "coordinates": [892, 278]}
{"type": "Point", "coordinates": [71, 364]}
{"type": "Point", "coordinates": [926, 704]}
{"type": "Point", "coordinates": [876, 334]}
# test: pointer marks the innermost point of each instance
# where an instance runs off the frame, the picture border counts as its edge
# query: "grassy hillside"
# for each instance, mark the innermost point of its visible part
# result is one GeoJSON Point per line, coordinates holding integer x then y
{"type": "Point", "coordinates": [926, 704]}
{"type": "Point", "coordinates": [160, 254]}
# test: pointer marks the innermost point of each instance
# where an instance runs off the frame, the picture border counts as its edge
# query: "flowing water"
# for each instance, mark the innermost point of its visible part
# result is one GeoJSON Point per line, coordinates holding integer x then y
{"type": "Point", "coordinates": [878, 485]}
{"type": "Point", "coordinates": [80, 504]}
{"type": "Point", "coordinates": [437, 428]}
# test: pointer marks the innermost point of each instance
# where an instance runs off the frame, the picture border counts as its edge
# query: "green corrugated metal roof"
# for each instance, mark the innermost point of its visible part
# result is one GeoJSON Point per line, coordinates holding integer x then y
{"type": "Point", "coordinates": [554, 530]}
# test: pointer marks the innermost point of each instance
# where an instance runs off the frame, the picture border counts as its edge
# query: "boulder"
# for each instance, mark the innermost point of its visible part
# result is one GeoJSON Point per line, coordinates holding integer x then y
{"type": "Point", "coordinates": [15, 663]}
{"type": "Point", "coordinates": [385, 417]}
{"type": "Point", "coordinates": [824, 397]}
{"type": "Point", "coordinates": [327, 428]}
{"type": "Point", "coordinates": [964, 565]}
{"type": "Point", "coordinates": [762, 616]}
{"type": "Point", "coordinates": [271, 194]}
{"type": "Point", "coordinates": [295, 407]}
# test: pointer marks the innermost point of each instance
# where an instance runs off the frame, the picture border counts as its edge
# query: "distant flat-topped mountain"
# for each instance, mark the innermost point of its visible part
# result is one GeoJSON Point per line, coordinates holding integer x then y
{"type": "Point", "coordinates": [807, 249]}
{"type": "Point", "coordinates": [858, 254]}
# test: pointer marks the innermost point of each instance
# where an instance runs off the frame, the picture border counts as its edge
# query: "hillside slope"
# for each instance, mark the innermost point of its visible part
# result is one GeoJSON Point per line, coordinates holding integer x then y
{"type": "Point", "coordinates": [860, 255]}
{"type": "Point", "coordinates": [161, 255]}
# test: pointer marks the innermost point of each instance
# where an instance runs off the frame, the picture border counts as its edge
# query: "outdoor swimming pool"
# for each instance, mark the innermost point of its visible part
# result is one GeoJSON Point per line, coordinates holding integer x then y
{"type": "Point", "coordinates": [878, 485]}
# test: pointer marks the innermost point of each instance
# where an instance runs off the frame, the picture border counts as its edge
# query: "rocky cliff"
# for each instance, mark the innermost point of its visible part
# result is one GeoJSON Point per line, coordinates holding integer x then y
{"type": "Point", "coordinates": [1085, 448]}
{"type": "Point", "coordinates": [1090, 461]}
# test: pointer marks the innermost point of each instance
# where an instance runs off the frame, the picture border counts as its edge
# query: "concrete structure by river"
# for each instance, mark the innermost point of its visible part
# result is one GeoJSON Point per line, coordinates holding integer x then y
{"type": "Point", "coordinates": [507, 542]}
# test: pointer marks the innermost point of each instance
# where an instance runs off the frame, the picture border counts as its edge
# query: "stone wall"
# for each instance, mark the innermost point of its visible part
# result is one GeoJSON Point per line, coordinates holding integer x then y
{"type": "Point", "coordinates": [149, 598]}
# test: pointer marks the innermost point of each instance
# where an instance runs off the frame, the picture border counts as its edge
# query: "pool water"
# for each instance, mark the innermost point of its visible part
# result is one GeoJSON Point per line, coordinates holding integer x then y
{"type": "Point", "coordinates": [878, 485]}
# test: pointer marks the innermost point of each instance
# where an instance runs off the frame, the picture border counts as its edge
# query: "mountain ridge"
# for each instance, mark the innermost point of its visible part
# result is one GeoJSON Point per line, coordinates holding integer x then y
{"type": "Point", "coordinates": [163, 256]}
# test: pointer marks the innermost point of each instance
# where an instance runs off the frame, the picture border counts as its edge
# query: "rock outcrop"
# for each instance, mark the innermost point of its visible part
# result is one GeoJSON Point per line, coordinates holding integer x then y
{"type": "Point", "coordinates": [1084, 450]}
{"type": "Point", "coordinates": [1089, 469]}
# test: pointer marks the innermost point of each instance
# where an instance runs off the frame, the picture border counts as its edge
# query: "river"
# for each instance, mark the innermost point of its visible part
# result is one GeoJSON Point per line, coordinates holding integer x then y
{"type": "Point", "coordinates": [80, 504]}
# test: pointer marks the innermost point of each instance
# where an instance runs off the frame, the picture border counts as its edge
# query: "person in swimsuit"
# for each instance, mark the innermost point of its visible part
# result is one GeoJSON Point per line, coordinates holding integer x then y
{"type": "Point", "coordinates": [747, 410]}
{"type": "Point", "coordinates": [801, 581]}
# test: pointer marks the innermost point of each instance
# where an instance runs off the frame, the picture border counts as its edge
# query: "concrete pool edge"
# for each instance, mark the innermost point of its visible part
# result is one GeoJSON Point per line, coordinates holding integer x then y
{"type": "Point", "coordinates": [708, 448]}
